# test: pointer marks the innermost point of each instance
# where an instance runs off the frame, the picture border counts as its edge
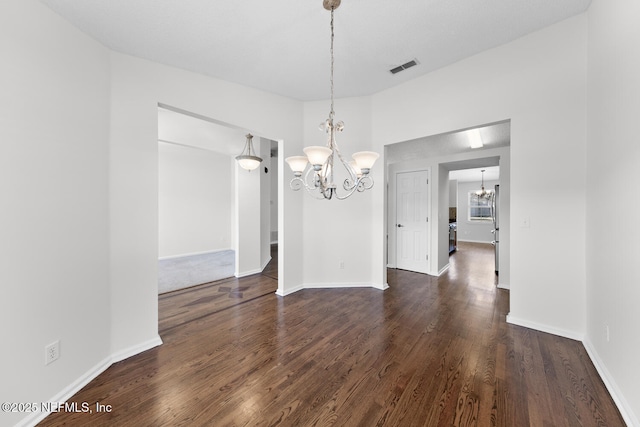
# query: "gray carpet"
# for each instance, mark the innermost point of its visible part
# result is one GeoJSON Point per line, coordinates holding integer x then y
{"type": "Point", "coordinates": [183, 272]}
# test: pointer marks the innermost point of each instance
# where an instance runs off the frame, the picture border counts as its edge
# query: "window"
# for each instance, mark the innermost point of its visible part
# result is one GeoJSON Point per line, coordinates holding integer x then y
{"type": "Point", "coordinates": [480, 207]}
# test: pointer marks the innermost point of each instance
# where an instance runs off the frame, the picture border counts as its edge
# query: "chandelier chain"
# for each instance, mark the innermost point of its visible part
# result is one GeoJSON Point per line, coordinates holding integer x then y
{"type": "Point", "coordinates": [331, 113]}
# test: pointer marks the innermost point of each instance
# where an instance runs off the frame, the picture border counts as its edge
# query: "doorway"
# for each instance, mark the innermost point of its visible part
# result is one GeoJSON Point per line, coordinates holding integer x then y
{"type": "Point", "coordinates": [207, 203]}
{"type": "Point", "coordinates": [440, 154]}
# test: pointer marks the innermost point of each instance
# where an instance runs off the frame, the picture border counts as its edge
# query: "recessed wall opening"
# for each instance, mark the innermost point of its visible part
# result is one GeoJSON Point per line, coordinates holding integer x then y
{"type": "Point", "coordinates": [453, 169]}
{"type": "Point", "coordinates": [216, 220]}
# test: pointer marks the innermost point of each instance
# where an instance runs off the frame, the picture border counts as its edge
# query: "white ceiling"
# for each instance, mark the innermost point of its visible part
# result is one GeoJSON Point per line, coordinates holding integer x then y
{"type": "Point", "coordinates": [491, 173]}
{"type": "Point", "coordinates": [283, 46]}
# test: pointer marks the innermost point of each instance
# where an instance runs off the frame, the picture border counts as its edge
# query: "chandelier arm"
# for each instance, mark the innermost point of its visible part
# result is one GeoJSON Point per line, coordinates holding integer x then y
{"type": "Point", "coordinates": [366, 183]}
{"type": "Point", "coordinates": [346, 165]}
{"type": "Point", "coordinates": [318, 184]}
{"type": "Point", "coordinates": [314, 193]}
{"type": "Point", "coordinates": [346, 195]}
{"type": "Point", "coordinates": [306, 176]}
{"type": "Point", "coordinates": [297, 183]}
{"type": "Point", "coordinates": [363, 183]}
{"type": "Point", "coordinates": [327, 172]}
{"type": "Point", "coordinates": [348, 184]}
{"type": "Point", "coordinates": [328, 193]}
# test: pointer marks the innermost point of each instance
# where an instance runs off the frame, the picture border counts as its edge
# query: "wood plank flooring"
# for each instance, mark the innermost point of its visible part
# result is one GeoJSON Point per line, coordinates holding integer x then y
{"type": "Point", "coordinates": [426, 352]}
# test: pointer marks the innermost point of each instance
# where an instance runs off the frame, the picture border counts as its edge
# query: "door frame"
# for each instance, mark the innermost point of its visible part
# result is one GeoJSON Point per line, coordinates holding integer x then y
{"type": "Point", "coordinates": [392, 216]}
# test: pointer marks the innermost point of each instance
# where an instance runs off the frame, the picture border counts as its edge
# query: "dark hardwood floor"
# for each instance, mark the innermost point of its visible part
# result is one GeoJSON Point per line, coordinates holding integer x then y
{"type": "Point", "coordinates": [428, 351]}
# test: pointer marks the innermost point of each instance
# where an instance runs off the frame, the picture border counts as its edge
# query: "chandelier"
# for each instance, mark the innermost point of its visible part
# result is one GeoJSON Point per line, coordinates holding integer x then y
{"type": "Point", "coordinates": [482, 193]}
{"type": "Point", "coordinates": [248, 159]}
{"type": "Point", "coordinates": [318, 178]}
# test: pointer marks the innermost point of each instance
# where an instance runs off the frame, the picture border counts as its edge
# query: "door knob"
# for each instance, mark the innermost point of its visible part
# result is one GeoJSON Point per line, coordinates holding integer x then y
{"type": "Point", "coordinates": [399, 225]}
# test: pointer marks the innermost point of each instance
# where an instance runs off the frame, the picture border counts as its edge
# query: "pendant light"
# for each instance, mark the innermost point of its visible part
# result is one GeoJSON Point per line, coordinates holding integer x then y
{"type": "Point", "coordinates": [248, 159]}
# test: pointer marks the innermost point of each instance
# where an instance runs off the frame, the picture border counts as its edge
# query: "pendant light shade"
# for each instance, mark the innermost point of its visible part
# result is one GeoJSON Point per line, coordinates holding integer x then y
{"type": "Point", "coordinates": [365, 160]}
{"type": "Point", "coordinates": [297, 164]}
{"type": "Point", "coordinates": [317, 154]}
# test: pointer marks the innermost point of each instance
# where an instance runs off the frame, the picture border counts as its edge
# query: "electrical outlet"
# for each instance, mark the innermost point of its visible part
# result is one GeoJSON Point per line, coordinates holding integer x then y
{"type": "Point", "coordinates": [51, 352]}
{"type": "Point", "coordinates": [341, 265]}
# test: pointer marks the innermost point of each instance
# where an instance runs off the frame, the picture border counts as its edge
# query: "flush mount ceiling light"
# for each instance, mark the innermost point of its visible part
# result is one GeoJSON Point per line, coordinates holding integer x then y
{"type": "Point", "coordinates": [475, 140]}
{"type": "Point", "coordinates": [248, 159]}
{"type": "Point", "coordinates": [318, 179]}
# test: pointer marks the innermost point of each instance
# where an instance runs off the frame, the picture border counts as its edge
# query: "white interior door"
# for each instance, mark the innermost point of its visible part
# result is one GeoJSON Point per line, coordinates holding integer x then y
{"type": "Point", "coordinates": [412, 221]}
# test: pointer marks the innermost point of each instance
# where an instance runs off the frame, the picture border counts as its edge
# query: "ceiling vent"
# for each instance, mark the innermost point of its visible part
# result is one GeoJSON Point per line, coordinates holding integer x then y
{"type": "Point", "coordinates": [403, 67]}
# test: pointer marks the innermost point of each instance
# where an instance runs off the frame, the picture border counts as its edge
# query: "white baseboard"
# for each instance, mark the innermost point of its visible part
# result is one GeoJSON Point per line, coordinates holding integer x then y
{"type": "Point", "coordinates": [69, 391]}
{"type": "Point", "coordinates": [136, 349]}
{"type": "Point", "coordinates": [339, 285]}
{"type": "Point", "coordinates": [289, 291]}
{"type": "Point", "coordinates": [618, 398]}
{"type": "Point", "coordinates": [545, 328]}
{"type": "Point", "coordinates": [248, 273]}
{"type": "Point", "coordinates": [443, 269]}
{"type": "Point", "coordinates": [252, 272]}
{"type": "Point", "coordinates": [193, 254]}
{"type": "Point", "coordinates": [504, 286]}
{"type": "Point", "coordinates": [264, 265]}
{"type": "Point", "coordinates": [474, 241]}
{"type": "Point", "coordinates": [65, 394]}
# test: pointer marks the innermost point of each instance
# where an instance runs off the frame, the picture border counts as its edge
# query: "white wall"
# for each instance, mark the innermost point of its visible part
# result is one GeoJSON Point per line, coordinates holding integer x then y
{"type": "Point", "coordinates": [442, 209]}
{"type": "Point", "coordinates": [613, 159]}
{"type": "Point", "coordinates": [472, 231]}
{"type": "Point", "coordinates": [248, 219]}
{"type": "Point", "coordinates": [54, 128]}
{"type": "Point", "coordinates": [338, 231]}
{"type": "Point", "coordinates": [194, 200]}
{"type": "Point", "coordinates": [453, 193]}
{"type": "Point", "coordinates": [265, 202]}
{"type": "Point", "coordinates": [273, 172]}
{"type": "Point", "coordinates": [539, 82]}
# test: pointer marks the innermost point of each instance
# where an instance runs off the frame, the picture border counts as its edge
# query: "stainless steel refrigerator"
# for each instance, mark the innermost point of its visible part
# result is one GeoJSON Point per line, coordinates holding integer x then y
{"type": "Point", "coordinates": [495, 215]}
